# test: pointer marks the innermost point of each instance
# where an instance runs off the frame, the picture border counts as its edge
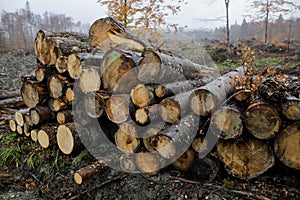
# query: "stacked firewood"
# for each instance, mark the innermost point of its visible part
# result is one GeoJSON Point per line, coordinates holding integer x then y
{"type": "Point", "coordinates": [116, 77]}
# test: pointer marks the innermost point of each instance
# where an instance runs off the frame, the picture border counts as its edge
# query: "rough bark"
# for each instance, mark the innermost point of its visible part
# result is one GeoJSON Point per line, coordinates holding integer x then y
{"type": "Point", "coordinates": [40, 114]}
{"type": "Point", "coordinates": [108, 32]}
{"type": "Point", "coordinates": [161, 68]}
{"type": "Point", "coordinates": [262, 120]}
{"type": "Point", "coordinates": [287, 146]}
{"type": "Point", "coordinates": [290, 108]}
{"type": "Point", "coordinates": [208, 97]}
{"type": "Point", "coordinates": [12, 102]}
{"type": "Point", "coordinates": [246, 158]}
{"type": "Point", "coordinates": [89, 171]}
{"type": "Point", "coordinates": [9, 94]}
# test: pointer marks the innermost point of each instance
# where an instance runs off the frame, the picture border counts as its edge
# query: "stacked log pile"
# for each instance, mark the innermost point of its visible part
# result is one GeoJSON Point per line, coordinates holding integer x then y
{"type": "Point", "coordinates": [117, 78]}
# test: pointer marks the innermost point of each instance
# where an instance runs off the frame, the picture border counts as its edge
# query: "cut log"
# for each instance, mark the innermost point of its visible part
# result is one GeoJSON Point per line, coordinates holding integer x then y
{"type": "Point", "coordinates": [117, 73]}
{"type": "Point", "coordinates": [89, 79]}
{"type": "Point", "coordinates": [262, 120]}
{"type": "Point", "coordinates": [184, 161]}
{"type": "Point", "coordinates": [26, 130]}
{"type": "Point", "coordinates": [43, 73]}
{"type": "Point", "coordinates": [33, 93]}
{"type": "Point", "coordinates": [273, 89]}
{"type": "Point", "coordinates": [246, 158]}
{"type": "Point", "coordinates": [108, 32]}
{"type": "Point", "coordinates": [20, 116]}
{"type": "Point", "coordinates": [161, 68]}
{"type": "Point", "coordinates": [69, 96]}
{"type": "Point", "coordinates": [172, 109]}
{"type": "Point", "coordinates": [126, 137]}
{"type": "Point", "coordinates": [61, 64]}
{"type": "Point", "coordinates": [199, 145]}
{"type": "Point", "coordinates": [227, 122]}
{"type": "Point", "coordinates": [118, 108]}
{"type": "Point", "coordinates": [68, 139]}
{"type": "Point", "coordinates": [94, 104]}
{"type": "Point", "coordinates": [89, 172]}
{"type": "Point", "coordinates": [290, 108]}
{"type": "Point", "coordinates": [57, 105]}
{"type": "Point", "coordinates": [143, 95]}
{"type": "Point", "coordinates": [41, 48]}
{"type": "Point", "coordinates": [74, 66]}
{"type": "Point", "coordinates": [12, 125]}
{"type": "Point", "coordinates": [147, 162]}
{"type": "Point", "coordinates": [27, 120]}
{"type": "Point", "coordinates": [12, 102]}
{"type": "Point", "coordinates": [20, 129]}
{"type": "Point", "coordinates": [205, 169]}
{"type": "Point", "coordinates": [34, 135]}
{"type": "Point", "coordinates": [9, 94]}
{"type": "Point", "coordinates": [208, 97]}
{"type": "Point", "coordinates": [46, 135]}
{"type": "Point", "coordinates": [287, 146]}
{"type": "Point", "coordinates": [147, 115]}
{"type": "Point", "coordinates": [127, 163]}
{"type": "Point", "coordinates": [57, 85]}
{"type": "Point", "coordinates": [64, 116]}
{"type": "Point", "coordinates": [40, 114]}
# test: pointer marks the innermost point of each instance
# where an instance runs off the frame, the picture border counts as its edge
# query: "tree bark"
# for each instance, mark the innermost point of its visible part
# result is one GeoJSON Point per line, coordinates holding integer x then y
{"type": "Point", "coordinates": [40, 114]}
{"type": "Point", "coordinates": [246, 158]}
{"type": "Point", "coordinates": [208, 97]}
{"type": "Point", "coordinates": [12, 102]}
{"type": "Point", "coordinates": [287, 146]}
{"type": "Point", "coordinates": [161, 68]}
{"type": "Point", "coordinates": [108, 32]}
{"type": "Point", "coordinates": [262, 120]}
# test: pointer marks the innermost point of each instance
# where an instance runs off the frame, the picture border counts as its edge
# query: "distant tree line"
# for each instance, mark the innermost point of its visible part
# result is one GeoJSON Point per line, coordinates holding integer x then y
{"type": "Point", "coordinates": [280, 30]}
{"type": "Point", "coordinates": [18, 29]}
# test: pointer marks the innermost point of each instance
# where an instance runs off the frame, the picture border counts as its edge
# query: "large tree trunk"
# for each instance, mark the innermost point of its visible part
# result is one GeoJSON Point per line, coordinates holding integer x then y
{"type": "Point", "coordinates": [208, 97]}
{"type": "Point", "coordinates": [161, 68]}
{"type": "Point", "coordinates": [107, 32]}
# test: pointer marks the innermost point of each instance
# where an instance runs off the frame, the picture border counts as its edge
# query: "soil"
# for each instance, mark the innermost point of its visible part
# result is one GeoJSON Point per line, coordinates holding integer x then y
{"type": "Point", "coordinates": [51, 176]}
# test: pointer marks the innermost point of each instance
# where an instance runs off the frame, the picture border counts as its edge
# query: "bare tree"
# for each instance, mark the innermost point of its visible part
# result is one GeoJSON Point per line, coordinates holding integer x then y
{"type": "Point", "coordinates": [227, 20]}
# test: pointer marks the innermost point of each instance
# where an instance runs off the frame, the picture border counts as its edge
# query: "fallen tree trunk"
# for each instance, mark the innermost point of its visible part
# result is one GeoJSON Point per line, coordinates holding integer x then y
{"type": "Point", "coordinates": [287, 146]}
{"type": "Point", "coordinates": [246, 158]}
{"type": "Point", "coordinates": [208, 97]}
{"type": "Point", "coordinates": [157, 67]}
{"type": "Point", "coordinates": [9, 94]}
{"type": "Point", "coordinates": [262, 120]}
{"type": "Point", "coordinates": [108, 32]}
{"type": "Point", "coordinates": [12, 102]}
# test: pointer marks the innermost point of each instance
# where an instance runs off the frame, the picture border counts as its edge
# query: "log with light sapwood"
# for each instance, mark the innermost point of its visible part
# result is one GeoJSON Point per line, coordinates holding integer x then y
{"type": "Point", "coordinates": [94, 103]}
{"type": "Point", "coordinates": [61, 64]}
{"type": "Point", "coordinates": [20, 129]}
{"type": "Point", "coordinates": [57, 85]}
{"type": "Point", "coordinates": [147, 162]}
{"type": "Point", "coordinates": [20, 116]}
{"type": "Point", "coordinates": [12, 102]}
{"type": "Point", "coordinates": [118, 72]}
{"type": "Point", "coordinates": [171, 89]}
{"type": "Point", "coordinates": [69, 96]}
{"type": "Point", "coordinates": [46, 135]}
{"type": "Point", "coordinates": [13, 125]}
{"type": "Point", "coordinates": [174, 140]}
{"type": "Point", "coordinates": [26, 130]}
{"type": "Point", "coordinates": [290, 108]}
{"type": "Point", "coordinates": [172, 109]}
{"type": "Point", "coordinates": [49, 46]}
{"type": "Point", "coordinates": [227, 122]}
{"type": "Point", "coordinates": [33, 93]}
{"type": "Point", "coordinates": [40, 114]}
{"type": "Point", "coordinates": [127, 163]}
{"type": "Point", "coordinates": [126, 137]}
{"type": "Point", "coordinates": [208, 97]}
{"type": "Point", "coordinates": [157, 67]}
{"type": "Point", "coordinates": [246, 157]}
{"type": "Point", "coordinates": [76, 62]}
{"type": "Point", "coordinates": [262, 120]}
{"type": "Point", "coordinates": [147, 115]}
{"type": "Point", "coordinates": [57, 105]}
{"type": "Point", "coordinates": [199, 145]}
{"type": "Point", "coordinates": [286, 145]}
{"type": "Point", "coordinates": [27, 119]}
{"type": "Point", "coordinates": [68, 139]}
{"type": "Point", "coordinates": [108, 32]}
{"type": "Point", "coordinates": [205, 169]}
{"type": "Point", "coordinates": [90, 80]}
{"type": "Point", "coordinates": [43, 73]}
{"type": "Point", "coordinates": [118, 108]}
{"type": "Point", "coordinates": [143, 95]}
{"type": "Point", "coordinates": [184, 161]}
{"type": "Point", "coordinates": [64, 116]}
{"type": "Point", "coordinates": [9, 94]}
{"type": "Point", "coordinates": [89, 172]}
{"type": "Point", "coordinates": [34, 135]}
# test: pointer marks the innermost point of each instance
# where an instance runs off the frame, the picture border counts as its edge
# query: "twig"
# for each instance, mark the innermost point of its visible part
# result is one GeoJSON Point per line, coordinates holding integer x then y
{"type": "Point", "coordinates": [101, 185]}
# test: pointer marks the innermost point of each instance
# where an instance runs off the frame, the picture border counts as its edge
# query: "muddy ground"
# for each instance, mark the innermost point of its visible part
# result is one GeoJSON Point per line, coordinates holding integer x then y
{"type": "Point", "coordinates": [34, 173]}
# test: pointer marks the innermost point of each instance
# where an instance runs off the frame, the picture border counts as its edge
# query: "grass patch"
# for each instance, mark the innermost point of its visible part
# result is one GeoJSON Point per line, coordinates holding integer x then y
{"type": "Point", "coordinates": [265, 62]}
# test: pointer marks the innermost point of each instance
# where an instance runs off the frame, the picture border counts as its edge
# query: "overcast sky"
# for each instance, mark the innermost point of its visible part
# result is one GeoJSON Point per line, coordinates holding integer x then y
{"type": "Point", "coordinates": [193, 15]}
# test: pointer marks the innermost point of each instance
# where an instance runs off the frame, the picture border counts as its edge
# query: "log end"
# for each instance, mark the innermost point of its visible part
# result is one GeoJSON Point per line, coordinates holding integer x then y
{"type": "Point", "coordinates": [65, 139]}
{"type": "Point", "coordinates": [78, 178]}
{"type": "Point", "coordinates": [202, 102]}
